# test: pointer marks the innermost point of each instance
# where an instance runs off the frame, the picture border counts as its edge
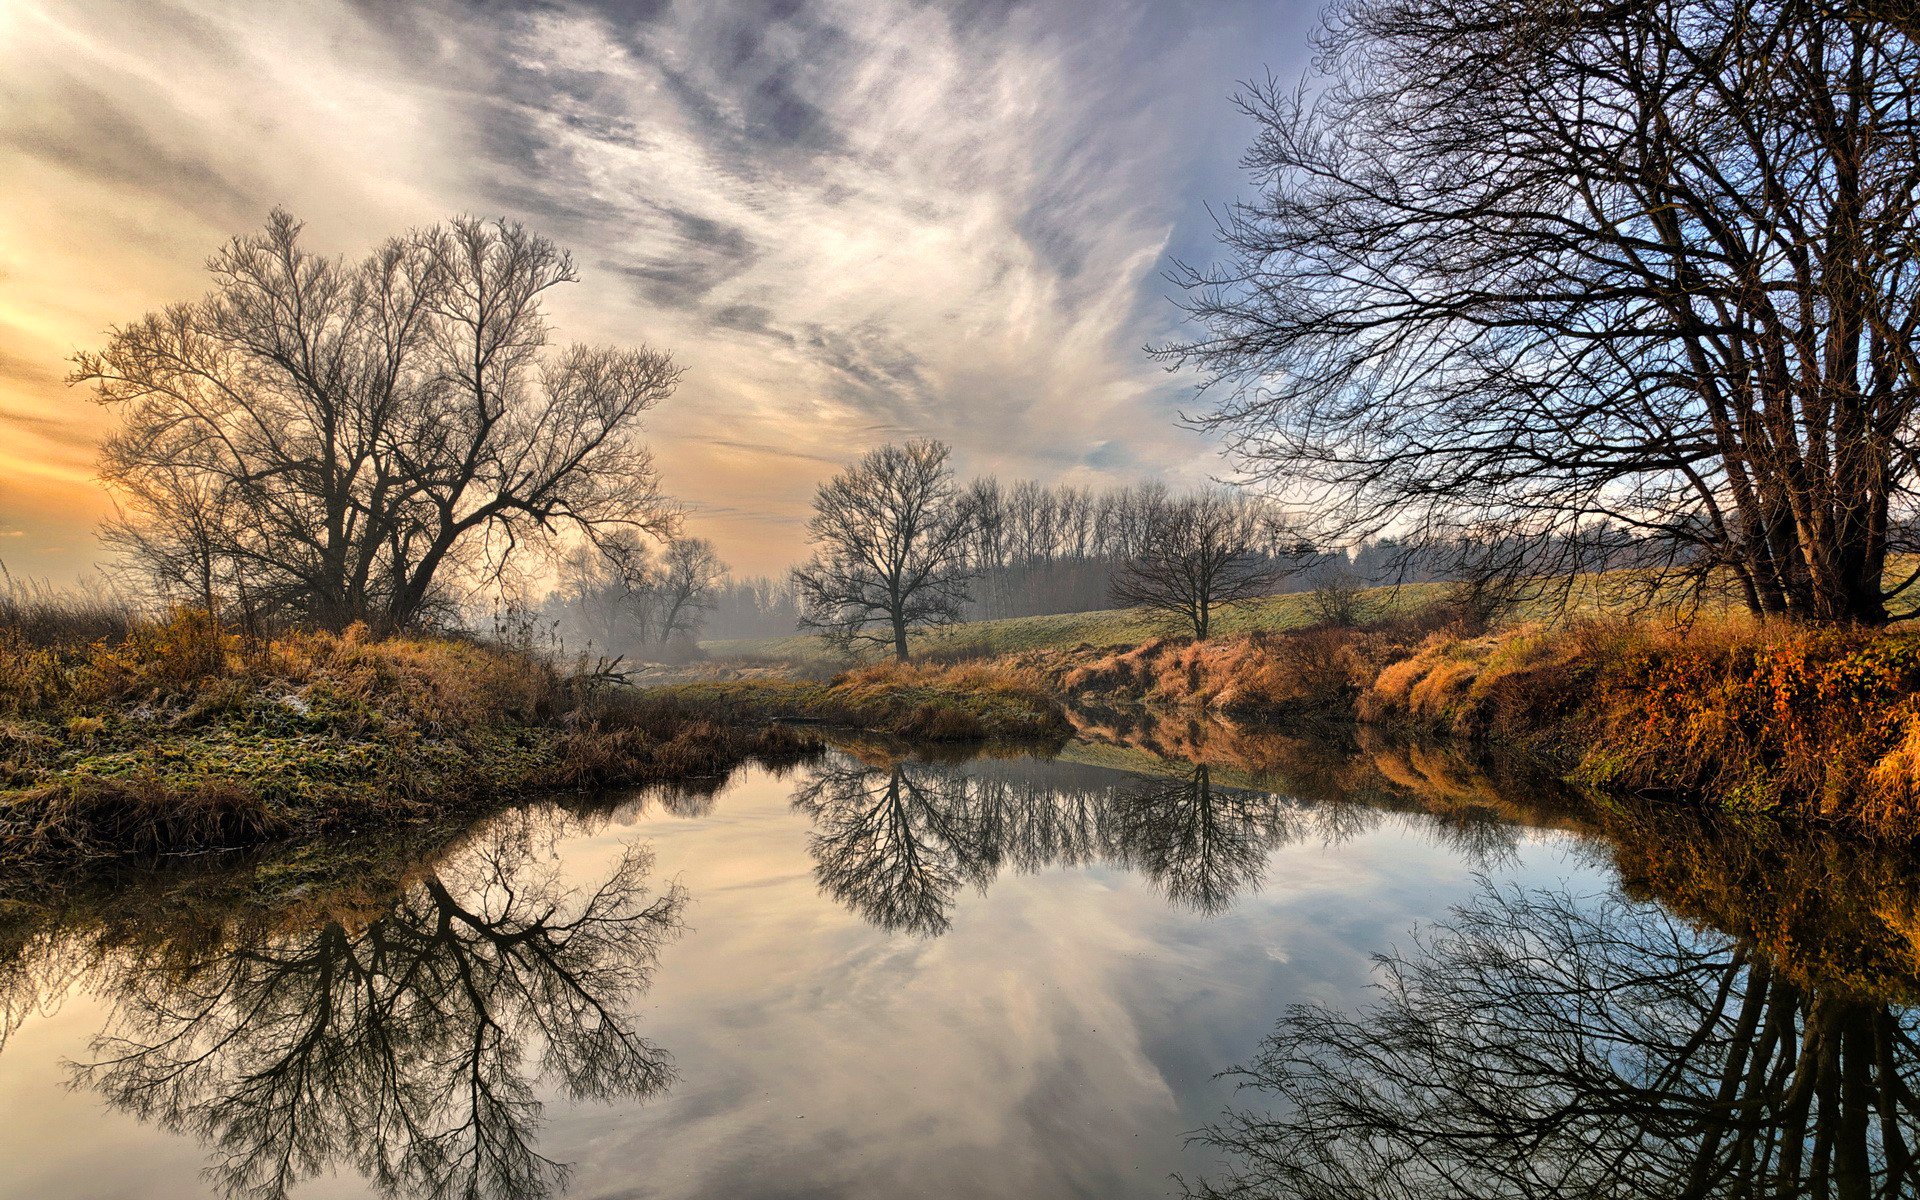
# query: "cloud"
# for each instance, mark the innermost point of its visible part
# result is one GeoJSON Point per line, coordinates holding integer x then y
{"type": "Point", "coordinates": [853, 219]}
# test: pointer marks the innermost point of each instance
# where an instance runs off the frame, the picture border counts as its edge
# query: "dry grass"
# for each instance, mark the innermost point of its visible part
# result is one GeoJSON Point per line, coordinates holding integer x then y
{"type": "Point", "coordinates": [183, 735]}
{"type": "Point", "coordinates": [40, 615]}
{"type": "Point", "coordinates": [1748, 715]}
{"type": "Point", "coordinates": [970, 701]}
{"type": "Point", "coordinates": [1307, 672]}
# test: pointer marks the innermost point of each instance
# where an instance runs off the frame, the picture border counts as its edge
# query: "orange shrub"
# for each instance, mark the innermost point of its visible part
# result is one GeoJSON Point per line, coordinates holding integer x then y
{"type": "Point", "coordinates": [1767, 715]}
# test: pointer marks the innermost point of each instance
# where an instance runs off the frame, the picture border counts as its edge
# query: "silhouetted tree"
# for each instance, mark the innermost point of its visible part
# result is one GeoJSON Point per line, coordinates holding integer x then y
{"type": "Point", "coordinates": [1198, 554]}
{"type": "Point", "coordinates": [399, 1046]}
{"type": "Point", "coordinates": [690, 571]}
{"type": "Point", "coordinates": [1546, 1045]}
{"type": "Point", "coordinates": [346, 437]}
{"type": "Point", "coordinates": [890, 535]}
{"type": "Point", "coordinates": [605, 598]}
{"type": "Point", "coordinates": [1613, 277]}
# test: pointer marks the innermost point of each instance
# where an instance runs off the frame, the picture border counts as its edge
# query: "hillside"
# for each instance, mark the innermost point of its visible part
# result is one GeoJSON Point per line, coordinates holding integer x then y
{"type": "Point", "coordinates": [1103, 627]}
{"type": "Point", "coordinates": [1588, 594]}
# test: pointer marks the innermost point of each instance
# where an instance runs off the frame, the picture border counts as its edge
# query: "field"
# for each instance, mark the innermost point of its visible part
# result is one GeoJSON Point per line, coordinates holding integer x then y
{"type": "Point", "coordinates": [1101, 628]}
{"type": "Point", "coordinates": [1587, 595]}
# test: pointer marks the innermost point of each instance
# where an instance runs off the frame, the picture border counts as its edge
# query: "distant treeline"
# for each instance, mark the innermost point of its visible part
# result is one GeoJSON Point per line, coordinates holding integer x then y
{"type": "Point", "coordinates": [1042, 550]}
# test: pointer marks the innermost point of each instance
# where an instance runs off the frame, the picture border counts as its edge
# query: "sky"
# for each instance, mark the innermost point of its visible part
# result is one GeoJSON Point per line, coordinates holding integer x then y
{"type": "Point", "coordinates": [852, 221]}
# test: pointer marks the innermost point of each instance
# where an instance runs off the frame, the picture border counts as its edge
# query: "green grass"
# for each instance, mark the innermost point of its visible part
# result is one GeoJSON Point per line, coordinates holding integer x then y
{"type": "Point", "coordinates": [1104, 627]}
{"type": "Point", "coordinates": [920, 703]}
{"type": "Point", "coordinates": [1587, 595]}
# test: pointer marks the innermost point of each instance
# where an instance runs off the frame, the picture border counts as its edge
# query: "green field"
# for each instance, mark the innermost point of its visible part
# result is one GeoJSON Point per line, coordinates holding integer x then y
{"type": "Point", "coordinates": [1585, 595]}
{"type": "Point", "coordinates": [1105, 627]}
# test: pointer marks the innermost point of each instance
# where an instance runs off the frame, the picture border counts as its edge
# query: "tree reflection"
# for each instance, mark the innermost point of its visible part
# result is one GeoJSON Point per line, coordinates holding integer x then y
{"type": "Point", "coordinates": [897, 842]}
{"type": "Point", "coordinates": [892, 843]}
{"type": "Point", "coordinates": [1543, 1045]}
{"type": "Point", "coordinates": [406, 1046]}
{"type": "Point", "coordinates": [1203, 845]}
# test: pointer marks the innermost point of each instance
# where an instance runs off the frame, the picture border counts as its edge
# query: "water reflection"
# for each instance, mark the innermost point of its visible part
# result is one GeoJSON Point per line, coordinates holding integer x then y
{"type": "Point", "coordinates": [404, 1039]}
{"type": "Point", "coordinates": [897, 840]}
{"type": "Point", "coordinates": [1725, 1022]}
{"type": "Point", "coordinates": [1540, 1044]}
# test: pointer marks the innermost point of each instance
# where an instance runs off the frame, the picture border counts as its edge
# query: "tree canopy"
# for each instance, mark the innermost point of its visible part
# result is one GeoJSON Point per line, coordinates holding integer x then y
{"type": "Point", "coordinates": [1641, 275]}
{"type": "Point", "coordinates": [337, 441]}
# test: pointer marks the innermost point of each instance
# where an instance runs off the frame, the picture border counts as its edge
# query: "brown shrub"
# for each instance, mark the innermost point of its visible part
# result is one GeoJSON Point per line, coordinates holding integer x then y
{"type": "Point", "coordinates": [142, 815]}
{"type": "Point", "coordinates": [1765, 715]}
{"type": "Point", "coordinates": [1514, 684]}
{"type": "Point", "coordinates": [1312, 670]}
{"type": "Point", "coordinates": [173, 657]}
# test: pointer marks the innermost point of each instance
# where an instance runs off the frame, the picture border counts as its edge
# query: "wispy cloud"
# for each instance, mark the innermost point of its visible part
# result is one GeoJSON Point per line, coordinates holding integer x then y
{"type": "Point", "coordinates": [852, 219]}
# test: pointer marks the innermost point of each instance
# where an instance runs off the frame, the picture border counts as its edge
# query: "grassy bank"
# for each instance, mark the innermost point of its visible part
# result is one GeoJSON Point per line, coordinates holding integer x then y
{"type": "Point", "coordinates": [1725, 712]}
{"type": "Point", "coordinates": [1734, 714]}
{"type": "Point", "coordinates": [1750, 716]}
{"type": "Point", "coordinates": [180, 736]}
{"type": "Point", "coordinates": [974, 701]}
{"type": "Point", "coordinates": [1105, 628]}
{"type": "Point", "coordinates": [122, 737]}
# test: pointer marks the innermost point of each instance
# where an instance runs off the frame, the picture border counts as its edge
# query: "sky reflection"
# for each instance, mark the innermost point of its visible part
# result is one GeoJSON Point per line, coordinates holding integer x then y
{"type": "Point", "coordinates": [1056, 1037]}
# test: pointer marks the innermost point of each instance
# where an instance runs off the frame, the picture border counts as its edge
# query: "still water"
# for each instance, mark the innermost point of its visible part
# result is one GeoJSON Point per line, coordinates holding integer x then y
{"type": "Point", "coordinates": [880, 975]}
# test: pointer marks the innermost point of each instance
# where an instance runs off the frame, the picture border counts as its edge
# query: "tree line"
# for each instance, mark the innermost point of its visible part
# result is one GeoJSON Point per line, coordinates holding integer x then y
{"type": "Point", "coordinates": [899, 546]}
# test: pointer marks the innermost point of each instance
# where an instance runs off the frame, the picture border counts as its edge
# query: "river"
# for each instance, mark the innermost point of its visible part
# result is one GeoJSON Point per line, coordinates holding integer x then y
{"type": "Point", "coordinates": [885, 974]}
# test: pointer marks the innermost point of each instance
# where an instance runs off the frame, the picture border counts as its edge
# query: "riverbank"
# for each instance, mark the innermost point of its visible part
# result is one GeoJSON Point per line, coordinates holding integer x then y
{"type": "Point", "coordinates": [180, 737]}
{"type": "Point", "coordinates": [1727, 714]}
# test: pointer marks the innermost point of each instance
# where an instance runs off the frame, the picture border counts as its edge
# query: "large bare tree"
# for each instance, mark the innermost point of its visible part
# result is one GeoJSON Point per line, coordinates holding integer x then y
{"type": "Point", "coordinates": [343, 438]}
{"type": "Point", "coordinates": [1641, 274]}
{"type": "Point", "coordinates": [890, 537]}
{"type": "Point", "coordinates": [1198, 554]}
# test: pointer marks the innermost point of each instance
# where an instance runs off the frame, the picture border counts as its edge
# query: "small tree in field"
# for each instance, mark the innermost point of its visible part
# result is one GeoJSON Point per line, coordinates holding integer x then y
{"type": "Point", "coordinates": [690, 573]}
{"type": "Point", "coordinates": [1198, 554]}
{"type": "Point", "coordinates": [1336, 597]}
{"type": "Point", "coordinates": [890, 537]}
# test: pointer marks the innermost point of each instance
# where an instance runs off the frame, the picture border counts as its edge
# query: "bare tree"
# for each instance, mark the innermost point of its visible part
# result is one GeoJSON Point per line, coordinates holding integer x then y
{"type": "Point", "coordinates": [1335, 598]}
{"type": "Point", "coordinates": [1599, 274]}
{"type": "Point", "coordinates": [348, 437]}
{"type": "Point", "coordinates": [171, 524]}
{"type": "Point", "coordinates": [890, 537]}
{"type": "Point", "coordinates": [606, 597]}
{"type": "Point", "coordinates": [621, 598]}
{"type": "Point", "coordinates": [690, 573]}
{"type": "Point", "coordinates": [1198, 554]}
